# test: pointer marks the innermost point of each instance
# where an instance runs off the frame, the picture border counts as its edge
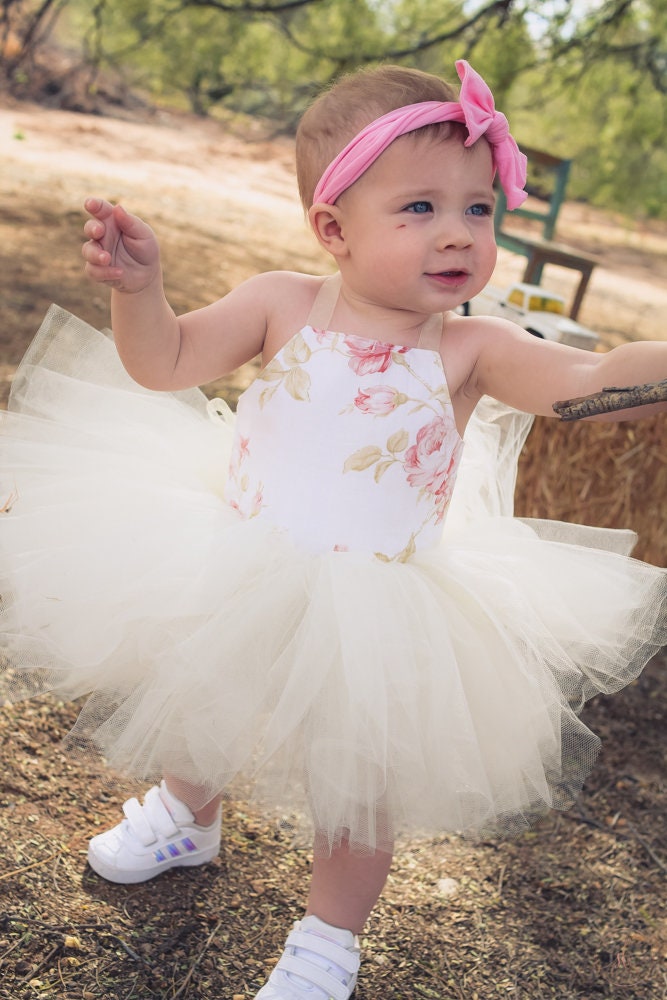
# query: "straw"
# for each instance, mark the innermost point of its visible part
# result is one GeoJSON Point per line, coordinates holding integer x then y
{"type": "Point", "coordinates": [612, 475]}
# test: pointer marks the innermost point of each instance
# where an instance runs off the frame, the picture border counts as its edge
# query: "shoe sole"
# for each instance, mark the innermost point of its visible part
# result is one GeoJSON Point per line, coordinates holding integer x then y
{"type": "Point", "coordinates": [127, 877]}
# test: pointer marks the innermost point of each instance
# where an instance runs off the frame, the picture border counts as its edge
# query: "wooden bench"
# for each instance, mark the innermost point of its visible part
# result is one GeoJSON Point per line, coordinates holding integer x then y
{"type": "Point", "coordinates": [547, 180]}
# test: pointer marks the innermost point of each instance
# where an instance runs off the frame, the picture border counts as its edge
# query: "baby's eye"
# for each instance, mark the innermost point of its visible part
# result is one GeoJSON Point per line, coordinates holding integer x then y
{"type": "Point", "coordinates": [480, 209]}
{"type": "Point", "coordinates": [419, 207]}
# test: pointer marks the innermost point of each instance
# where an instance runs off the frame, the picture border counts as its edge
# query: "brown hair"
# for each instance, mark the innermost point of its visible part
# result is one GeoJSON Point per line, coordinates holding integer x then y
{"type": "Point", "coordinates": [353, 102]}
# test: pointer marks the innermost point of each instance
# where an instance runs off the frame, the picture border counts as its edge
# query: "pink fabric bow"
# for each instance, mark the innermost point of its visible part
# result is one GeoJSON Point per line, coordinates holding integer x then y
{"type": "Point", "coordinates": [475, 109]}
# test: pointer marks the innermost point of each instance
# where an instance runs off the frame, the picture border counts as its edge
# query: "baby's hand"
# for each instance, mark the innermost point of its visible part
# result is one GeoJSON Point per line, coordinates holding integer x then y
{"type": "Point", "coordinates": [121, 250]}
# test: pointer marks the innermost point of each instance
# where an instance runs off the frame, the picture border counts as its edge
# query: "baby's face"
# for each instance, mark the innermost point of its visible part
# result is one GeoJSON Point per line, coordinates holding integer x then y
{"type": "Point", "coordinates": [418, 224]}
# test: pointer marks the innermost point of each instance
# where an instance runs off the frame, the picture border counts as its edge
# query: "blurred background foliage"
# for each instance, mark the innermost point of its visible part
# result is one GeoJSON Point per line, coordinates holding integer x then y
{"type": "Point", "coordinates": [585, 79]}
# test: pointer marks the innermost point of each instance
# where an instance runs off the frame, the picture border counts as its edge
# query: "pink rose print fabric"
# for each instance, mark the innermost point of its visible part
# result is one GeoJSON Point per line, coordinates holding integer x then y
{"type": "Point", "coordinates": [379, 399]}
{"type": "Point", "coordinates": [370, 355]}
{"type": "Point", "coordinates": [431, 462]}
{"type": "Point", "coordinates": [349, 445]}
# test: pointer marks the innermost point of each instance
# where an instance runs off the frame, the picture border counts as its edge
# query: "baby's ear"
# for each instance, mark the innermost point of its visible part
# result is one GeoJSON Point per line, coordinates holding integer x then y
{"type": "Point", "coordinates": [326, 224]}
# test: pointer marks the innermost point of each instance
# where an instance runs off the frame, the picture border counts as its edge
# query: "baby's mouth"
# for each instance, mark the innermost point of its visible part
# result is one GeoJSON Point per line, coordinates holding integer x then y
{"type": "Point", "coordinates": [452, 277]}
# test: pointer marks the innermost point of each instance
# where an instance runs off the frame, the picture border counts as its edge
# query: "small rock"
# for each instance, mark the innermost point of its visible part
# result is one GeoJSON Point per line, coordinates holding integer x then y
{"type": "Point", "coordinates": [448, 887]}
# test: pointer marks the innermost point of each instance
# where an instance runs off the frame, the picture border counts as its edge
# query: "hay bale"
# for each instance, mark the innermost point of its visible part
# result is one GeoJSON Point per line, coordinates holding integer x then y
{"type": "Point", "coordinates": [613, 475]}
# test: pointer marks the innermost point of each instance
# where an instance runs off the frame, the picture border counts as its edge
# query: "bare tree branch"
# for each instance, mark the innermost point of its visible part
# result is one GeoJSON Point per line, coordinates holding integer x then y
{"type": "Point", "coordinates": [611, 399]}
{"type": "Point", "coordinates": [280, 7]}
{"type": "Point", "coordinates": [500, 7]}
{"type": "Point", "coordinates": [426, 41]}
{"type": "Point", "coordinates": [594, 38]}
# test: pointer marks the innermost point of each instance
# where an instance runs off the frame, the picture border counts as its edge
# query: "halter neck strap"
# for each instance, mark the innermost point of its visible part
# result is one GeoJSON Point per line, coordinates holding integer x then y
{"type": "Point", "coordinates": [323, 307]}
{"type": "Point", "coordinates": [430, 334]}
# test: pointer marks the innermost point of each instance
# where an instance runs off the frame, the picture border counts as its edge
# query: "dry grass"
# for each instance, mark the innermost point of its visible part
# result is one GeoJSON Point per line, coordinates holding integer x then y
{"type": "Point", "coordinates": [610, 475]}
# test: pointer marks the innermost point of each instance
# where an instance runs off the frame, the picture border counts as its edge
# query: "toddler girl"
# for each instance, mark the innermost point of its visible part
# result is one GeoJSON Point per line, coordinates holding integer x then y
{"type": "Point", "coordinates": [285, 602]}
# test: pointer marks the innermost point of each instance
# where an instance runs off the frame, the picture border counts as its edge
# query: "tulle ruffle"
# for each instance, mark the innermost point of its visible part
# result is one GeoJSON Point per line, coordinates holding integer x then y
{"type": "Point", "coordinates": [440, 694]}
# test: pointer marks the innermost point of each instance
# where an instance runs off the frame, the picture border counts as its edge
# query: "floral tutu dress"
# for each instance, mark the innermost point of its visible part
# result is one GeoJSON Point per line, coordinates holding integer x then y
{"type": "Point", "coordinates": [297, 602]}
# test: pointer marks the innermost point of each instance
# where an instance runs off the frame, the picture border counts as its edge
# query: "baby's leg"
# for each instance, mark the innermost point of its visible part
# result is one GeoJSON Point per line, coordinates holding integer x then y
{"type": "Point", "coordinates": [345, 887]}
{"type": "Point", "coordinates": [191, 796]}
{"type": "Point", "coordinates": [321, 957]}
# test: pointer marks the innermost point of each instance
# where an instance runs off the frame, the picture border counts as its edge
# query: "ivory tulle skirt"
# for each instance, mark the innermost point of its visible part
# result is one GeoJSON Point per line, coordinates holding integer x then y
{"type": "Point", "coordinates": [440, 694]}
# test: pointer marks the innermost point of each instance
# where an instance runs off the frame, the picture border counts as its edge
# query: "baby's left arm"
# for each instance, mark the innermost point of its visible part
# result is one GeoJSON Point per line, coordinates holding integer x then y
{"type": "Point", "coordinates": [532, 374]}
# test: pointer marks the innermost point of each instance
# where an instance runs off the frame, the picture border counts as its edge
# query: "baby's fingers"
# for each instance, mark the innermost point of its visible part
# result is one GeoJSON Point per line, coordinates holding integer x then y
{"type": "Point", "coordinates": [134, 230]}
{"type": "Point", "coordinates": [99, 266]}
{"type": "Point", "coordinates": [110, 219]}
{"type": "Point", "coordinates": [94, 253]}
{"type": "Point", "coordinates": [94, 230]}
{"type": "Point", "coordinates": [99, 208]}
{"type": "Point", "coordinates": [101, 230]}
{"type": "Point", "coordinates": [120, 249]}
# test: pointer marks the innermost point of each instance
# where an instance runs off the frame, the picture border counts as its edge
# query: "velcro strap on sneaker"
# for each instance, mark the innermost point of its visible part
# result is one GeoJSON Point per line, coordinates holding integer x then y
{"type": "Point", "coordinates": [139, 825]}
{"type": "Point", "coordinates": [150, 820]}
{"type": "Point", "coordinates": [158, 815]}
{"type": "Point", "coordinates": [335, 953]}
{"type": "Point", "coordinates": [299, 966]}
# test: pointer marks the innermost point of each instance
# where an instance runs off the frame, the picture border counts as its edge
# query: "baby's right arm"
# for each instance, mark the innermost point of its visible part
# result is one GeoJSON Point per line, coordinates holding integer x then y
{"type": "Point", "coordinates": [159, 350]}
{"type": "Point", "coordinates": [122, 252]}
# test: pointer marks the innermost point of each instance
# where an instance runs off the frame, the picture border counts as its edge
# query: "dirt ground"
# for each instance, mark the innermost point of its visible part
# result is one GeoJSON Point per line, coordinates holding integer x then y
{"type": "Point", "coordinates": [574, 909]}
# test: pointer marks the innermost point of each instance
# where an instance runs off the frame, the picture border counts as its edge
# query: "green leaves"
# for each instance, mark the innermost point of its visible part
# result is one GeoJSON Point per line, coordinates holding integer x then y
{"type": "Point", "coordinates": [584, 81]}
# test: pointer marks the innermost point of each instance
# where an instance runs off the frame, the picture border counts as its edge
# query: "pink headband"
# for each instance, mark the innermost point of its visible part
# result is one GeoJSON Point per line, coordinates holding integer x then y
{"type": "Point", "coordinates": [474, 109]}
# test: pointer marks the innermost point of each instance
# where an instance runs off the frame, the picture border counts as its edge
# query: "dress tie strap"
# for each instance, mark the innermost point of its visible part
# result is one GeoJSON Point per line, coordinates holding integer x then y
{"type": "Point", "coordinates": [323, 307]}
{"type": "Point", "coordinates": [430, 334]}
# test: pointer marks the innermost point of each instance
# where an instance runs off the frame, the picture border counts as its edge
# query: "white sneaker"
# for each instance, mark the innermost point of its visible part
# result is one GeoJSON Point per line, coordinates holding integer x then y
{"type": "Point", "coordinates": [153, 837]}
{"type": "Point", "coordinates": [319, 962]}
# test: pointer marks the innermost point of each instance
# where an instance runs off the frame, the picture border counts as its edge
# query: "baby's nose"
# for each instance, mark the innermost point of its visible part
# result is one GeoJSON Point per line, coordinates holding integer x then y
{"type": "Point", "coordinates": [453, 232]}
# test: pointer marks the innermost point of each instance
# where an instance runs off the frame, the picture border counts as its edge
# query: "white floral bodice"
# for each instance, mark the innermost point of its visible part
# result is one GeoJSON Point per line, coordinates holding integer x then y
{"type": "Point", "coordinates": [348, 444]}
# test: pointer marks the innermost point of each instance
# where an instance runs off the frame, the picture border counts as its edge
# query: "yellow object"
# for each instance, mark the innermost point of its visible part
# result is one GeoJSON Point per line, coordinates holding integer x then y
{"type": "Point", "coordinates": [532, 298]}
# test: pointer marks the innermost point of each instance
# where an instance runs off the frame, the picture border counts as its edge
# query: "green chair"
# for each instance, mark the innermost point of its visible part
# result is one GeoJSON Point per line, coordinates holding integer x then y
{"type": "Point", "coordinates": [547, 180]}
